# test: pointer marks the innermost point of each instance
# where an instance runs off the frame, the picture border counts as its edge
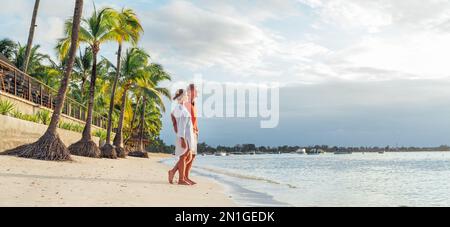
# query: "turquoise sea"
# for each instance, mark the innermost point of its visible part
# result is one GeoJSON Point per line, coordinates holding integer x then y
{"type": "Point", "coordinates": [370, 179]}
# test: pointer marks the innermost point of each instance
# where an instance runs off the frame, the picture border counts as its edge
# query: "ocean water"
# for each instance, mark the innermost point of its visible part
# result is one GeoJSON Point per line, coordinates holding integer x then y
{"type": "Point", "coordinates": [390, 179]}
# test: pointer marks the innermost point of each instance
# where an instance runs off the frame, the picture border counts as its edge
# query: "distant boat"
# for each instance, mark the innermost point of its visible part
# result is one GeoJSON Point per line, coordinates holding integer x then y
{"type": "Point", "coordinates": [221, 154]}
{"type": "Point", "coordinates": [316, 152]}
{"type": "Point", "coordinates": [381, 152]}
{"type": "Point", "coordinates": [301, 151]}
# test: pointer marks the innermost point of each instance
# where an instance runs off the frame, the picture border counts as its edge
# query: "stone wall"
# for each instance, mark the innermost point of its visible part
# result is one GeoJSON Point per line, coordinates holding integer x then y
{"type": "Point", "coordinates": [15, 132]}
{"type": "Point", "coordinates": [27, 107]}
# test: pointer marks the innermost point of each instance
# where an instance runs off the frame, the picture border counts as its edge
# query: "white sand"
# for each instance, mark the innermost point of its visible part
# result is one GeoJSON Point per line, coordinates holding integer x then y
{"type": "Point", "coordinates": [100, 182]}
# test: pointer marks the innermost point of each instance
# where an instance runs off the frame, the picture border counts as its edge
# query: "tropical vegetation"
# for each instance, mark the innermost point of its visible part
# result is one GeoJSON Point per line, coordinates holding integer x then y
{"type": "Point", "coordinates": [126, 91]}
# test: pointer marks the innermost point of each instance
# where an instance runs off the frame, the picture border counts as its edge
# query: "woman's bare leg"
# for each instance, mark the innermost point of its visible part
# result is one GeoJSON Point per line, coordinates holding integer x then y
{"type": "Point", "coordinates": [188, 170]}
{"type": "Point", "coordinates": [175, 169]}
{"type": "Point", "coordinates": [182, 169]}
{"type": "Point", "coordinates": [172, 172]}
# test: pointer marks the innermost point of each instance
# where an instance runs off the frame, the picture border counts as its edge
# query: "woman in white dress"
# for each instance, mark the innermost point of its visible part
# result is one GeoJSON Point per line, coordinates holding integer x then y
{"type": "Point", "coordinates": [190, 106]}
{"type": "Point", "coordinates": [185, 137]}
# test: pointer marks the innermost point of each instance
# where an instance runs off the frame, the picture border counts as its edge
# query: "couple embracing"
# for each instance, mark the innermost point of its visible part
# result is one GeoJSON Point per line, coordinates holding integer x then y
{"type": "Point", "coordinates": [184, 119]}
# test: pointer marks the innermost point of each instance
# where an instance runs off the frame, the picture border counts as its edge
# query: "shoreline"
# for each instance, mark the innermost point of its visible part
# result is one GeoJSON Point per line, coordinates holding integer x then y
{"type": "Point", "coordinates": [85, 182]}
{"type": "Point", "coordinates": [241, 195]}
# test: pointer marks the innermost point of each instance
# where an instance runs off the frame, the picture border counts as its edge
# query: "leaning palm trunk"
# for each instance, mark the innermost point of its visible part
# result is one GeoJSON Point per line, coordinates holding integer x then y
{"type": "Point", "coordinates": [83, 85]}
{"type": "Point", "coordinates": [108, 150]}
{"type": "Point", "coordinates": [134, 113]}
{"type": "Point", "coordinates": [31, 37]}
{"type": "Point", "coordinates": [141, 150]}
{"type": "Point", "coordinates": [141, 128]}
{"type": "Point", "coordinates": [50, 146]}
{"type": "Point", "coordinates": [118, 139]}
{"type": "Point", "coordinates": [86, 146]}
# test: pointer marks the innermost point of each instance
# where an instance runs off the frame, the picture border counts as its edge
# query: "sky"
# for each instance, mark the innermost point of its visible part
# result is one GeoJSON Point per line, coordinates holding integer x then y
{"type": "Point", "coordinates": [350, 72]}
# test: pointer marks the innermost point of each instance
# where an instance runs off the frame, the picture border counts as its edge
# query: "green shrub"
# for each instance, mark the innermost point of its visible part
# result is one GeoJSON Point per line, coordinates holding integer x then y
{"type": "Point", "coordinates": [16, 114]}
{"type": "Point", "coordinates": [64, 125]}
{"type": "Point", "coordinates": [100, 134]}
{"type": "Point", "coordinates": [77, 128]}
{"type": "Point", "coordinates": [6, 107]}
{"type": "Point", "coordinates": [71, 127]}
{"type": "Point", "coordinates": [44, 117]}
{"type": "Point", "coordinates": [29, 117]}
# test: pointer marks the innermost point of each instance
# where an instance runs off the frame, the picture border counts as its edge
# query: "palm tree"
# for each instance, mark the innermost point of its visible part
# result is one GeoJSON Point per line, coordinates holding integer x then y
{"type": "Point", "coordinates": [149, 125]}
{"type": "Point", "coordinates": [151, 94]}
{"type": "Point", "coordinates": [8, 48]}
{"type": "Point", "coordinates": [94, 31]}
{"type": "Point", "coordinates": [83, 65]}
{"type": "Point", "coordinates": [50, 74]}
{"type": "Point", "coordinates": [15, 53]}
{"type": "Point", "coordinates": [103, 88]}
{"type": "Point", "coordinates": [50, 146]}
{"type": "Point", "coordinates": [135, 111]}
{"type": "Point", "coordinates": [126, 29]}
{"type": "Point", "coordinates": [134, 65]}
{"type": "Point", "coordinates": [36, 59]}
{"type": "Point", "coordinates": [82, 73]}
{"type": "Point", "coordinates": [31, 36]}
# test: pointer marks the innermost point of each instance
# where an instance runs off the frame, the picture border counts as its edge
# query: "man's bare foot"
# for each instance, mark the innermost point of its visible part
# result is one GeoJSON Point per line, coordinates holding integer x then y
{"type": "Point", "coordinates": [171, 176]}
{"type": "Point", "coordinates": [191, 182]}
{"type": "Point", "coordinates": [183, 183]}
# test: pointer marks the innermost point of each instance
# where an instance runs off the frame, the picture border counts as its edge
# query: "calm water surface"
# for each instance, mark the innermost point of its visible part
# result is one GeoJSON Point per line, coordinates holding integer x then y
{"type": "Point", "coordinates": [391, 179]}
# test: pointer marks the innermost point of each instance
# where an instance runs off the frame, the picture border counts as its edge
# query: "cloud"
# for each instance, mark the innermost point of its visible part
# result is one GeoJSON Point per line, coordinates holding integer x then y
{"type": "Point", "coordinates": [380, 14]}
{"type": "Point", "coordinates": [210, 39]}
{"type": "Point", "coordinates": [422, 55]}
{"type": "Point", "coordinates": [230, 40]}
{"type": "Point", "coordinates": [253, 10]}
{"type": "Point", "coordinates": [215, 37]}
{"type": "Point", "coordinates": [189, 35]}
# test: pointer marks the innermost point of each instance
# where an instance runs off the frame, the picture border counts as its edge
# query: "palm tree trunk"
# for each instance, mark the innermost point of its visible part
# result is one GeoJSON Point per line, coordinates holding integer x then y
{"type": "Point", "coordinates": [141, 152]}
{"type": "Point", "coordinates": [113, 94]}
{"type": "Point", "coordinates": [31, 36]}
{"type": "Point", "coordinates": [141, 129]}
{"type": "Point", "coordinates": [50, 146]}
{"type": "Point", "coordinates": [65, 81]}
{"type": "Point", "coordinates": [83, 84]}
{"type": "Point", "coordinates": [134, 113]}
{"type": "Point", "coordinates": [133, 119]}
{"type": "Point", "coordinates": [87, 132]}
{"type": "Point", "coordinates": [86, 146]}
{"type": "Point", "coordinates": [118, 140]}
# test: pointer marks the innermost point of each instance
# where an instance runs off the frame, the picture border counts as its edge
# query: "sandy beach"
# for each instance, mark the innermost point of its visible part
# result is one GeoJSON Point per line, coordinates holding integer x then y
{"type": "Point", "coordinates": [100, 182]}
